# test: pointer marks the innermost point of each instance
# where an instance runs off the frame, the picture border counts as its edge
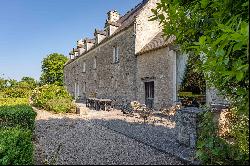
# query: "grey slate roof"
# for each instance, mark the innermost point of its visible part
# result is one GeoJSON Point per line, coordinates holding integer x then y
{"type": "Point", "coordinates": [89, 40]}
{"type": "Point", "coordinates": [100, 32]}
{"type": "Point", "coordinates": [127, 19]}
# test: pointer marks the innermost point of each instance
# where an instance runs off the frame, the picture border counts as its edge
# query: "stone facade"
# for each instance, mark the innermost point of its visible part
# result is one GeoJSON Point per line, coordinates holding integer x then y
{"type": "Point", "coordinates": [143, 57]}
{"type": "Point", "coordinates": [145, 30]}
{"type": "Point", "coordinates": [108, 80]}
{"type": "Point", "coordinates": [156, 66]}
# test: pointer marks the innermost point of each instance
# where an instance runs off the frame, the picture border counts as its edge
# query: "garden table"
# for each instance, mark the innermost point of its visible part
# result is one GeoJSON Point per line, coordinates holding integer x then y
{"type": "Point", "coordinates": [104, 103]}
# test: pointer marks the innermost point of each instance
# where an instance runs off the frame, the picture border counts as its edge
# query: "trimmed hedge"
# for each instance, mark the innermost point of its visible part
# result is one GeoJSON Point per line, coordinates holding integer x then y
{"type": "Point", "coordinates": [12, 116]}
{"type": "Point", "coordinates": [13, 101]}
{"type": "Point", "coordinates": [16, 146]}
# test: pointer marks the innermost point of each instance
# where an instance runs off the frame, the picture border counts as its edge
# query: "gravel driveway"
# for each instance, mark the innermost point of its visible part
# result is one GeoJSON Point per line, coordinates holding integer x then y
{"type": "Point", "coordinates": [77, 140]}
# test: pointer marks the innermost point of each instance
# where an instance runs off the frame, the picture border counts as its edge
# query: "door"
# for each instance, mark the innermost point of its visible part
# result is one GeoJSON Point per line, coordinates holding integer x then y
{"type": "Point", "coordinates": [77, 90]}
{"type": "Point", "coordinates": [149, 94]}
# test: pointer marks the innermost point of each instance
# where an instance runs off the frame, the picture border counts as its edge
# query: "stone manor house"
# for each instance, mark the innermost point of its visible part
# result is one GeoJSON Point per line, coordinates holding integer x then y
{"type": "Point", "coordinates": [128, 60]}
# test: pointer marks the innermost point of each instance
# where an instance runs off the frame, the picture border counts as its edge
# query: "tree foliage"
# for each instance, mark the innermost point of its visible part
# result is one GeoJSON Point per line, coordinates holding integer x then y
{"type": "Point", "coordinates": [193, 80]}
{"type": "Point", "coordinates": [217, 32]}
{"type": "Point", "coordinates": [28, 81]}
{"type": "Point", "coordinates": [13, 89]}
{"type": "Point", "coordinates": [52, 69]}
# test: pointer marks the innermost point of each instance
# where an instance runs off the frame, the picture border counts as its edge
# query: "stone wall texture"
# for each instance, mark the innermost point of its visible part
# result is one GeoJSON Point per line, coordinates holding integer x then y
{"type": "Point", "coordinates": [146, 30]}
{"type": "Point", "coordinates": [108, 80]}
{"type": "Point", "coordinates": [123, 81]}
{"type": "Point", "coordinates": [186, 126]}
{"type": "Point", "coordinates": [156, 66]}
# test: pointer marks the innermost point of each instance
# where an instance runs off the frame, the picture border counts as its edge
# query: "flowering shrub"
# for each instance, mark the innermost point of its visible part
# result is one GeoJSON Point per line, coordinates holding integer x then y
{"type": "Point", "coordinates": [52, 98]}
{"type": "Point", "coordinates": [60, 105]}
{"type": "Point", "coordinates": [13, 101]}
{"type": "Point", "coordinates": [16, 92]}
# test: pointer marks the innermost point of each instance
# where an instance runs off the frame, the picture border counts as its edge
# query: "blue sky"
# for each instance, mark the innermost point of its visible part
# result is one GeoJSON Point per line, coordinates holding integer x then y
{"type": "Point", "coordinates": [32, 29]}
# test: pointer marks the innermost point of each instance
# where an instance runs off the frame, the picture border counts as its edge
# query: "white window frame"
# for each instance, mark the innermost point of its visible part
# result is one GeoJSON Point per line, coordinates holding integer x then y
{"type": "Point", "coordinates": [116, 57]}
{"type": "Point", "coordinates": [84, 87]}
{"type": "Point", "coordinates": [84, 67]}
{"type": "Point", "coordinates": [78, 90]}
{"type": "Point", "coordinates": [75, 91]}
{"type": "Point", "coordinates": [94, 65]}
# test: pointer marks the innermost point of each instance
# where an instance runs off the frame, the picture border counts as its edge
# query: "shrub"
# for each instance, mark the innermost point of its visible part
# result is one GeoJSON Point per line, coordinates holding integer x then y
{"type": "Point", "coordinates": [23, 115]}
{"type": "Point", "coordinates": [60, 105]}
{"type": "Point", "coordinates": [13, 101]}
{"type": "Point", "coordinates": [213, 149]}
{"type": "Point", "coordinates": [16, 92]}
{"type": "Point", "coordinates": [53, 98]}
{"type": "Point", "coordinates": [16, 146]}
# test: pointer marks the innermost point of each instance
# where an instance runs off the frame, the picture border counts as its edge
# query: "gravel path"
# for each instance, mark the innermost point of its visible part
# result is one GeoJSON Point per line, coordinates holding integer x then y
{"type": "Point", "coordinates": [78, 140]}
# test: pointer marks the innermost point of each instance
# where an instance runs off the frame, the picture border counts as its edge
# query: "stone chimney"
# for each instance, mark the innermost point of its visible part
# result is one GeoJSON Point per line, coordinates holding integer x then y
{"type": "Point", "coordinates": [71, 55]}
{"type": "Point", "coordinates": [89, 43]}
{"type": "Point", "coordinates": [111, 24]}
{"type": "Point", "coordinates": [76, 52]}
{"type": "Point", "coordinates": [113, 16]}
{"type": "Point", "coordinates": [80, 46]}
{"type": "Point", "coordinates": [99, 36]}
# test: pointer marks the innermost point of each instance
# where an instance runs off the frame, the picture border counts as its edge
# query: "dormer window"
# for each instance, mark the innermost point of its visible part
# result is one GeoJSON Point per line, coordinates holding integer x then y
{"type": "Point", "coordinates": [116, 57]}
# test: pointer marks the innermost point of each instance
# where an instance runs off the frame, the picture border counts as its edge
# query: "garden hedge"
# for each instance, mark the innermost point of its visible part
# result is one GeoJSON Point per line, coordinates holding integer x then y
{"type": "Point", "coordinates": [16, 146]}
{"type": "Point", "coordinates": [12, 116]}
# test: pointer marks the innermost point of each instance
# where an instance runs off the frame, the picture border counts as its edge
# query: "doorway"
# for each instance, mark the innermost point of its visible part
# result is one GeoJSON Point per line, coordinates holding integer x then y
{"type": "Point", "coordinates": [149, 94]}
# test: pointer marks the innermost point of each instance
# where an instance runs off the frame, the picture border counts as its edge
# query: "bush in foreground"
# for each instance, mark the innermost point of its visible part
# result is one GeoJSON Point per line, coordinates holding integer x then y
{"type": "Point", "coordinates": [16, 146]}
{"type": "Point", "coordinates": [22, 115]}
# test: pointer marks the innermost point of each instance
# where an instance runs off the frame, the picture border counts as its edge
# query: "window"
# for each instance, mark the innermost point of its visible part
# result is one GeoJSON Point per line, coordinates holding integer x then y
{"type": "Point", "coordinates": [115, 54]}
{"type": "Point", "coordinates": [84, 67]}
{"type": "Point", "coordinates": [84, 87]}
{"type": "Point", "coordinates": [94, 65]}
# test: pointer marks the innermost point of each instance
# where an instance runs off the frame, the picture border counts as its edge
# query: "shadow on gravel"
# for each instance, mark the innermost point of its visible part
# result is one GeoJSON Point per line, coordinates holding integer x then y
{"type": "Point", "coordinates": [51, 135]}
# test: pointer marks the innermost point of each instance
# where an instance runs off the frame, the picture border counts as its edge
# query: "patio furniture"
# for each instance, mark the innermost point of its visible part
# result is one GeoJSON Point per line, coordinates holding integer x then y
{"type": "Point", "coordinates": [99, 104]}
{"type": "Point", "coordinates": [105, 104]}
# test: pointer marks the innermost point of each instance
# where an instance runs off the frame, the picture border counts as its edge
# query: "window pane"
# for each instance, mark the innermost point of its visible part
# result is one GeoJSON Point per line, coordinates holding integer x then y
{"type": "Point", "coordinates": [114, 54]}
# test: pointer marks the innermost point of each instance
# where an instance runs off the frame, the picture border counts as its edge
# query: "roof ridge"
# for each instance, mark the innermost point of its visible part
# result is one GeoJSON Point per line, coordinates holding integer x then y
{"type": "Point", "coordinates": [133, 10]}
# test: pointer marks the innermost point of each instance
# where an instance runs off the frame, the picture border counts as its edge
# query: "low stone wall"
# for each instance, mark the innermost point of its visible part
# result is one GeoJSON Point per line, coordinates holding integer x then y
{"type": "Point", "coordinates": [186, 126]}
{"type": "Point", "coordinates": [221, 118]}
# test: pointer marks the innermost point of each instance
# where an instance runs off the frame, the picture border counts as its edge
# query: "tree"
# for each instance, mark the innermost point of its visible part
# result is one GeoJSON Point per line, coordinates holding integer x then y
{"type": "Point", "coordinates": [3, 83]}
{"type": "Point", "coordinates": [217, 32]}
{"type": "Point", "coordinates": [52, 69]}
{"type": "Point", "coordinates": [27, 82]}
{"type": "Point", "coordinates": [193, 80]}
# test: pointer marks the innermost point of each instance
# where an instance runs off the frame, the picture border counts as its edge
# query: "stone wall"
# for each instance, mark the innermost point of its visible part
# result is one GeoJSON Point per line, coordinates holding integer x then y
{"type": "Point", "coordinates": [146, 30]}
{"type": "Point", "coordinates": [158, 67]}
{"type": "Point", "coordinates": [186, 125]}
{"type": "Point", "coordinates": [213, 96]}
{"type": "Point", "coordinates": [108, 80]}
